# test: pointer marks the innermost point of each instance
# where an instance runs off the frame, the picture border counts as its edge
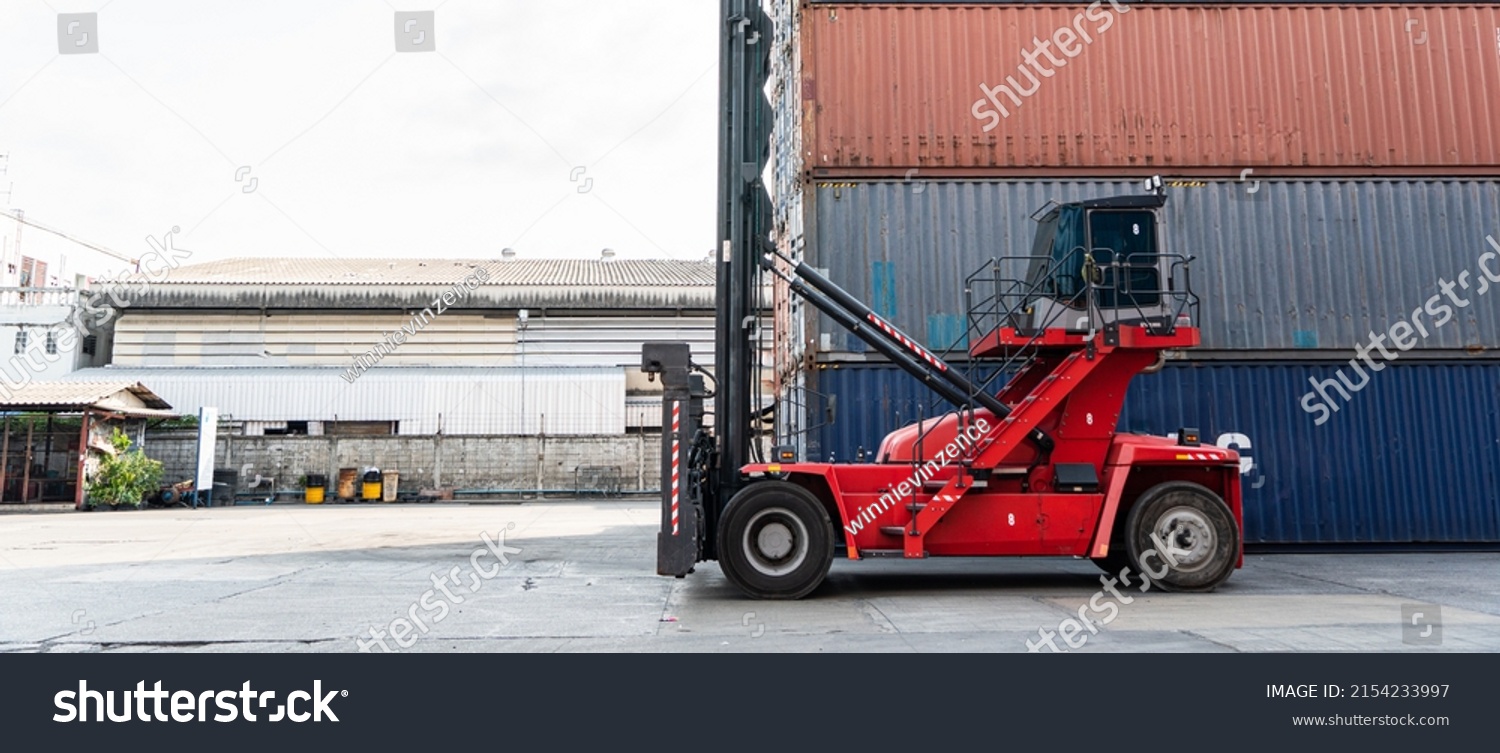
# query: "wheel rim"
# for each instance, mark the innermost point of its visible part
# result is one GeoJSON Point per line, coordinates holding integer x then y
{"type": "Point", "coordinates": [1189, 537]}
{"type": "Point", "coordinates": [775, 542]}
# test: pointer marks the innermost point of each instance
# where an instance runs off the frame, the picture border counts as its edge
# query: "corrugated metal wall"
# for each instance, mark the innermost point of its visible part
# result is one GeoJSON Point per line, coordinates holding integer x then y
{"type": "Point", "coordinates": [1413, 457]}
{"type": "Point", "coordinates": [787, 185]}
{"type": "Point", "coordinates": [1325, 89]}
{"type": "Point", "coordinates": [530, 401]}
{"type": "Point", "coordinates": [610, 341]}
{"type": "Point", "coordinates": [1292, 266]}
{"type": "Point", "coordinates": [170, 338]}
{"type": "Point", "coordinates": [456, 338]}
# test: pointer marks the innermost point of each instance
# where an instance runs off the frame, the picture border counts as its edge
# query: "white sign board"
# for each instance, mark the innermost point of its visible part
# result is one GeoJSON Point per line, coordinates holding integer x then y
{"type": "Point", "coordinates": [208, 431]}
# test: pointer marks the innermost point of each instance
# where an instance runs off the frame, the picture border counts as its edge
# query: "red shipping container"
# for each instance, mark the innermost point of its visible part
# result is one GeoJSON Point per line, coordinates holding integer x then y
{"type": "Point", "coordinates": [1114, 89]}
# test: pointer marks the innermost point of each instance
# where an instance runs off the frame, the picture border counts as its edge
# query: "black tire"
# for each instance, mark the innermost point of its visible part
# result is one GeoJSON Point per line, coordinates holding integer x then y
{"type": "Point", "coordinates": [1195, 524]}
{"type": "Point", "coordinates": [775, 541]}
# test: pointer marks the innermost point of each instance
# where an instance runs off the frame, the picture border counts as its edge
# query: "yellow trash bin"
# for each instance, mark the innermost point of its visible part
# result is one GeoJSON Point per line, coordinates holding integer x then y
{"type": "Point", "coordinates": [315, 486]}
{"type": "Point", "coordinates": [371, 490]}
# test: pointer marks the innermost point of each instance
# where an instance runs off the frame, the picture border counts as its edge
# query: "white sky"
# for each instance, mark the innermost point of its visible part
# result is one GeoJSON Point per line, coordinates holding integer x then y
{"type": "Point", "coordinates": [358, 150]}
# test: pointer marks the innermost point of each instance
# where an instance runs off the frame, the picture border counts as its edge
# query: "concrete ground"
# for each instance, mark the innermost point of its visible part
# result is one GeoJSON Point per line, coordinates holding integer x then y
{"type": "Point", "coordinates": [580, 577]}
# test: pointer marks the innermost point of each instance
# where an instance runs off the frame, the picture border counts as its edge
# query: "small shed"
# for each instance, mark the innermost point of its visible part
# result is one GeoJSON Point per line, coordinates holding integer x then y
{"type": "Point", "coordinates": [51, 465]}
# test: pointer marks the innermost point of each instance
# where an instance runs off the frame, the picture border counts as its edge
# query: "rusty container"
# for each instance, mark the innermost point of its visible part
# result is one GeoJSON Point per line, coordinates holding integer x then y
{"type": "Point", "coordinates": [1300, 90]}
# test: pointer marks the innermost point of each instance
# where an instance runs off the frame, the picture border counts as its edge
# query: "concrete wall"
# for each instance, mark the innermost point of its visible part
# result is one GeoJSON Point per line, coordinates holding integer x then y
{"type": "Point", "coordinates": [470, 462]}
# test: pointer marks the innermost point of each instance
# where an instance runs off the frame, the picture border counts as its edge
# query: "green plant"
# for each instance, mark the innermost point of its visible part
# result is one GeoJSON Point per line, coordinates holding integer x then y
{"type": "Point", "coordinates": [125, 479]}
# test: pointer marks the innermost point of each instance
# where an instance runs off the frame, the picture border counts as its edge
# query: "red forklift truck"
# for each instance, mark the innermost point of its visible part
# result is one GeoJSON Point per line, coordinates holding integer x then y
{"type": "Point", "coordinates": [1033, 467]}
{"type": "Point", "coordinates": [1027, 462]}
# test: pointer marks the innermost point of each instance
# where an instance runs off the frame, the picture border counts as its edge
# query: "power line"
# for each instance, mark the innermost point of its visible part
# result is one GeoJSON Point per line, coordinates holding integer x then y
{"type": "Point", "coordinates": [65, 236]}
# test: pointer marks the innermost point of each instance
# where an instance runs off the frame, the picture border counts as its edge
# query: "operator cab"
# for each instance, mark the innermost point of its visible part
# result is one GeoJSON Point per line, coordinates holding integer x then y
{"type": "Point", "coordinates": [1113, 243]}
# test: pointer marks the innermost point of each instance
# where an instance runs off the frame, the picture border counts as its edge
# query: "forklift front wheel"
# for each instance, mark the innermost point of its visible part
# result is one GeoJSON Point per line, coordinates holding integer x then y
{"type": "Point", "coordinates": [1186, 530]}
{"type": "Point", "coordinates": [775, 541]}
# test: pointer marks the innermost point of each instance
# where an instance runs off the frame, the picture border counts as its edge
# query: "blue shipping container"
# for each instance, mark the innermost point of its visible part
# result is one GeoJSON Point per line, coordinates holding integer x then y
{"type": "Point", "coordinates": [1414, 457]}
{"type": "Point", "coordinates": [1282, 266]}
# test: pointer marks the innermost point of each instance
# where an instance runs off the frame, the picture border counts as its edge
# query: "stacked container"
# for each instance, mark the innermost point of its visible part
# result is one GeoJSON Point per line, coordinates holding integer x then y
{"type": "Point", "coordinates": [1335, 169]}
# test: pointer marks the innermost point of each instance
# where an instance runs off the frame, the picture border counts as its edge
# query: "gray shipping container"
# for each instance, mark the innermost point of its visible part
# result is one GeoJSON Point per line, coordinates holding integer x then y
{"type": "Point", "coordinates": [1285, 269]}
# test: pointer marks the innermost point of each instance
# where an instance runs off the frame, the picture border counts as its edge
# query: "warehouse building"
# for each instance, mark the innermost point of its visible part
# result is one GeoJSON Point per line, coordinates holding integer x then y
{"type": "Point", "coordinates": [505, 374]}
{"type": "Point", "coordinates": [403, 347]}
{"type": "Point", "coordinates": [1330, 174]}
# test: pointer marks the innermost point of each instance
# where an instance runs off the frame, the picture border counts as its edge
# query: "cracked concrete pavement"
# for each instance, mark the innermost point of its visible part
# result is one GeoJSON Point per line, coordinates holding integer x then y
{"type": "Point", "coordinates": [581, 577]}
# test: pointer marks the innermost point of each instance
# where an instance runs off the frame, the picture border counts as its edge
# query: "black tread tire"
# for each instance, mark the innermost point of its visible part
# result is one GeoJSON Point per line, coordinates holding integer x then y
{"type": "Point", "coordinates": [1183, 497]}
{"type": "Point", "coordinates": [797, 510]}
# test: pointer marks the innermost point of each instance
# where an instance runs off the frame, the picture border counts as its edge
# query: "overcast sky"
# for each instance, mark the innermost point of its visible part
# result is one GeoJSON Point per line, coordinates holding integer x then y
{"type": "Point", "coordinates": [356, 149]}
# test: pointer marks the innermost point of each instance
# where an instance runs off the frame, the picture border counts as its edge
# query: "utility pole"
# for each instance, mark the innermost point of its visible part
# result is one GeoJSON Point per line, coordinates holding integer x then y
{"type": "Point", "coordinates": [9, 251]}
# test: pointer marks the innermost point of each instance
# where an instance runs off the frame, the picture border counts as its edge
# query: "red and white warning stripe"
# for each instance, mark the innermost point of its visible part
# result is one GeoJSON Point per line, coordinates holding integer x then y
{"type": "Point", "coordinates": [913, 347]}
{"type": "Point", "coordinates": [676, 423]}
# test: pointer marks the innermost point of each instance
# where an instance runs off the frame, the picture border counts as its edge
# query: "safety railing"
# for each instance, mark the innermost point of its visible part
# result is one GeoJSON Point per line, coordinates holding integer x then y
{"type": "Point", "coordinates": [38, 297]}
{"type": "Point", "coordinates": [1105, 295]}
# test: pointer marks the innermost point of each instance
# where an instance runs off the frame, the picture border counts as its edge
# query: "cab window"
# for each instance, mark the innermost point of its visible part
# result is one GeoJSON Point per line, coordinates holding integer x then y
{"type": "Point", "coordinates": [1127, 237]}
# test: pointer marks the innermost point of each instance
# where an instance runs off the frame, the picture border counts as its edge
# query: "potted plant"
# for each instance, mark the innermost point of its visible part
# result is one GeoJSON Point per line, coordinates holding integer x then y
{"type": "Point", "coordinates": [125, 478]}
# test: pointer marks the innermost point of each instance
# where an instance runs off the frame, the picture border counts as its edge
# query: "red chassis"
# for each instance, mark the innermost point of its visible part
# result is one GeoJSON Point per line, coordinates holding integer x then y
{"type": "Point", "coordinates": [1000, 519]}
{"type": "Point", "coordinates": [969, 485]}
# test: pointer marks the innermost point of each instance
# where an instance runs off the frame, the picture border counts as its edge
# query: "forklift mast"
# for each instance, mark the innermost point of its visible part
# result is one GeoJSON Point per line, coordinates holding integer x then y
{"type": "Point", "coordinates": [701, 469]}
{"type": "Point", "coordinates": [744, 228]}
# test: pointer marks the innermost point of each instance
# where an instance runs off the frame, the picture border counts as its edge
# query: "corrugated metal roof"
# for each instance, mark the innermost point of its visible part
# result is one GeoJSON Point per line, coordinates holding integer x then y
{"type": "Point", "coordinates": [79, 395]}
{"type": "Point", "coordinates": [444, 272]}
{"type": "Point", "coordinates": [1413, 457]}
{"type": "Point", "coordinates": [1349, 89]}
{"type": "Point", "coordinates": [505, 400]}
{"type": "Point", "coordinates": [1294, 266]}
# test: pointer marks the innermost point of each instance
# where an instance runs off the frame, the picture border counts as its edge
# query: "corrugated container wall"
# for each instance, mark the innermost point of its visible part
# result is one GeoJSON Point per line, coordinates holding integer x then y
{"type": "Point", "coordinates": [1294, 267]}
{"type": "Point", "coordinates": [1287, 90]}
{"type": "Point", "coordinates": [1399, 463]}
{"type": "Point", "coordinates": [789, 196]}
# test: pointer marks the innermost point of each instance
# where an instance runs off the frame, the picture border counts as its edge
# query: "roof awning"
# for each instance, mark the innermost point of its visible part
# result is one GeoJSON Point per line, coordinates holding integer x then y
{"type": "Point", "coordinates": [121, 397]}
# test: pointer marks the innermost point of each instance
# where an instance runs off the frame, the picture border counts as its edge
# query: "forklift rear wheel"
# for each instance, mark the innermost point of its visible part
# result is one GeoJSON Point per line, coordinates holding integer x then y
{"type": "Point", "coordinates": [1194, 527]}
{"type": "Point", "coordinates": [776, 541]}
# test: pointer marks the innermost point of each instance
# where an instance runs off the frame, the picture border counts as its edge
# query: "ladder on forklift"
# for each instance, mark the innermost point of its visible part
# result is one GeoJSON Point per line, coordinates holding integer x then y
{"type": "Point", "coordinates": [1048, 360]}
